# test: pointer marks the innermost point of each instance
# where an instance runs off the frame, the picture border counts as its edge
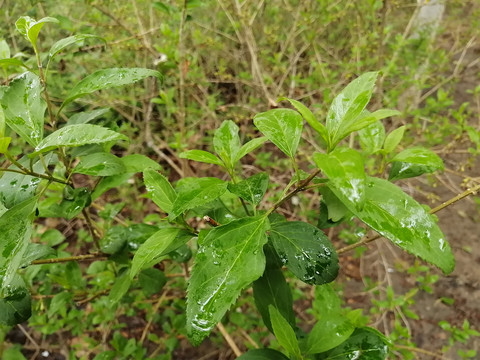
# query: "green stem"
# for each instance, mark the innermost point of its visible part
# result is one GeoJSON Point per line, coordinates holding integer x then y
{"type": "Point", "coordinates": [86, 257]}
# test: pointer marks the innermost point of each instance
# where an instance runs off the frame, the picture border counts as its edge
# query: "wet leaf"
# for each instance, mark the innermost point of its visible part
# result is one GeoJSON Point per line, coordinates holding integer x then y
{"type": "Point", "coordinates": [283, 127]}
{"type": "Point", "coordinates": [272, 289]}
{"type": "Point", "coordinates": [372, 137]}
{"type": "Point", "coordinates": [393, 139]}
{"type": "Point", "coordinates": [201, 156]}
{"type": "Point", "coordinates": [284, 333]}
{"type": "Point", "coordinates": [227, 142]}
{"type": "Point", "coordinates": [252, 189]}
{"type": "Point", "coordinates": [329, 332]}
{"type": "Point", "coordinates": [135, 163]}
{"type": "Point", "coordinates": [107, 78]}
{"type": "Point", "coordinates": [160, 189]}
{"type": "Point", "coordinates": [201, 191]}
{"type": "Point", "coordinates": [345, 170]}
{"type": "Point", "coordinates": [77, 135]}
{"type": "Point", "coordinates": [310, 118]}
{"type": "Point", "coordinates": [30, 28]}
{"type": "Point", "coordinates": [100, 164]}
{"type": "Point", "coordinates": [249, 147]}
{"type": "Point", "coordinates": [15, 307]}
{"type": "Point", "coordinates": [24, 107]}
{"type": "Point", "coordinates": [306, 251]}
{"type": "Point", "coordinates": [364, 344]}
{"type": "Point", "coordinates": [86, 116]}
{"type": "Point", "coordinates": [262, 354]}
{"type": "Point", "coordinates": [219, 274]}
{"type": "Point", "coordinates": [67, 208]}
{"type": "Point", "coordinates": [414, 162]}
{"type": "Point", "coordinates": [398, 217]}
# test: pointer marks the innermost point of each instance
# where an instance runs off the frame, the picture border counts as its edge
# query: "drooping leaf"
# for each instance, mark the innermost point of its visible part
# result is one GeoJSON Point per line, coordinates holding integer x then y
{"type": "Point", "coordinates": [219, 273]}
{"type": "Point", "coordinates": [348, 105]}
{"type": "Point", "coordinates": [201, 191]}
{"type": "Point", "coordinates": [119, 288]}
{"type": "Point", "coordinates": [15, 306]}
{"type": "Point", "coordinates": [100, 164]}
{"type": "Point", "coordinates": [393, 139]}
{"type": "Point", "coordinates": [272, 289]}
{"type": "Point", "coordinates": [107, 78]}
{"type": "Point", "coordinates": [16, 229]}
{"type": "Point", "coordinates": [283, 127]}
{"type": "Point", "coordinates": [227, 142]}
{"type": "Point", "coordinates": [152, 281]}
{"type": "Point", "coordinates": [262, 354]}
{"type": "Point", "coordinates": [310, 118]}
{"type": "Point", "coordinates": [345, 170]}
{"type": "Point", "coordinates": [252, 189]}
{"type": "Point", "coordinates": [86, 116]}
{"type": "Point", "coordinates": [414, 162]}
{"type": "Point", "coordinates": [284, 333]}
{"type": "Point", "coordinates": [306, 251]}
{"type": "Point", "coordinates": [30, 28]}
{"type": "Point", "coordinates": [77, 135]}
{"type": "Point", "coordinates": [60, 45]}
{"type": "Point", "coordinates": [249, 147]}
{"type": "Point", "coordinates": [372, 137]}
{"type": "Point", "coordinates": [201, 156]}
{"type": "Point", "coordinates": [24, 107]}
{"type": "Point", "coordinates": [364, 344]}
{"type": "Point", "coordinates": [135, 163]}
{"type": "Point", "coordinates": [160, 189]}
{"type": "Point", "coordinates": [12, 62]}
{"type": "Point", "coordinates": [332, 210]}
{"type": "Point", "coordinates": [398, 217]}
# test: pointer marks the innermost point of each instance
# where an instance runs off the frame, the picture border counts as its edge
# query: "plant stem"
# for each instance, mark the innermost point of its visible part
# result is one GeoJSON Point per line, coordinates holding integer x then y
{"type": "Point", "coordinates": [421, 351]}
{"type": "Point", "coordinates": [86, 257]}
{"type": "Point", "coordinates": [449, 202]}
{"type": "Point", "coordinates": [91, 228]}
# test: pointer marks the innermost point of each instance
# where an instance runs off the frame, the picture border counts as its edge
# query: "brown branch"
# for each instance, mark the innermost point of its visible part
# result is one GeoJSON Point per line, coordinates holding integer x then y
{"type": "Point", "coordinates": [229, 339]}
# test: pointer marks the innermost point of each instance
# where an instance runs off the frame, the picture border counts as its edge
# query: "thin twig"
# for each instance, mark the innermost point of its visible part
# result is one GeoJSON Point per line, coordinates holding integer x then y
{"type": "Point", "coordinates": [422, 351]}
{"type": "Point", "coordinates": [86, 257]}
{"type": "Point", "coordinates": [155, 310]}
{"type": "Point", "coordinates": [229, 340]}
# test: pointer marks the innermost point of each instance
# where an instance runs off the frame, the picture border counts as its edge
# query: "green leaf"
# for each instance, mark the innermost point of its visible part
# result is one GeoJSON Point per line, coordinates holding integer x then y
{"type": "Point", "coordinates": [310, 118]}
{"type": "Point", "coordinates": [30, 28]}
{"type": "Point", "coordinates": [77, 135]}
{"type": "Point", "coordinates": [107, 78]}
{"type": "Point", "coordinates": [100, 164]}
{"type": "Point", "coordinates": [135, 163]}
{"type": "Point", "coordinates": [252, 189]}
{"type": "Point", "coordinates": [69, 207]}
{"type": "Point", "coordinates": [200, 192]}
{"type": "Point", "coordinates": [283, 127]}
{"type": "Point", "coordinates": [365, 119]}
{"type": "Point", "coordinates": [119, 288]}
{"type": "Point", "coordinates": [227, 142]}
{"type": "Point", "coordinates": [109, 182]}
{"type": "Point", "coordinates": [249, 147]}
{"type": "Point", "coordinates": [52, 237]}
{"type": "Point", "coordinates": [152, 281]}
{"type": "Point", "coordinates": [398, 217]}
{"type": "Point", "coordinates": [372, 137]}
{"type": "Point", "coordinates": [16, 229]}
{"type": "Point", "coordinates": [414, 162]}
{"type": "Point", "coordinates": [15, 307]}
{"type": "Point", "coordinates": [272, 289]}
{"type": "Point", "coordinates": [86, 116]}
{"type": "Point", "coordinates": [4, 50]}
{"type": "Point", "coordinates": [393, 139]}
{"type": "Point", "coordinates": [201, 156]}
{"type": "Point", "coordinates": [328, 333]}
{"type": "Point", "coordinates": [326, 301]}
{"type": "Point", "coordinates": [24, 107]}
{"type": "Point", "coordinates": [12, 62]}
{"type": "Point", "coordinates": [332, 210]}
{"type": "Point", "coordinates": [364, 344]}
{"type": "Point", "coordinates": [157, 245]}
{"type": "Point", "coordinates": [60, 45]}
{"type": "Point", "coordinates": [306, 251]}
{"type": "Point", "coordinates": [36, 251]}
{"type": "Point", "coordinates": [160, 189]}
{"type": "Point", "coordinates": [284, 333]}
{"type": "Point", "coordinates": [348, 105]}
{"type": "Point", "coordinates": [345, 170]}
{"type": "Point", "coordinates": [262, 354]}
{"type": "Point", "coordinates": [219, 273]}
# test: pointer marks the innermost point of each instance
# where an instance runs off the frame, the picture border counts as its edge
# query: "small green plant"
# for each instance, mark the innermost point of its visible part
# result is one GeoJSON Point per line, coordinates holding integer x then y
{"type": "Point", "coordinates": [243, 240]}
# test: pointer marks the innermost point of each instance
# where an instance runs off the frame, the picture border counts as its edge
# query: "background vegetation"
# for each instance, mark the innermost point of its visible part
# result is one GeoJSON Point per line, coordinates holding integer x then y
{"type": "Point", "coordinates": [230, 60]}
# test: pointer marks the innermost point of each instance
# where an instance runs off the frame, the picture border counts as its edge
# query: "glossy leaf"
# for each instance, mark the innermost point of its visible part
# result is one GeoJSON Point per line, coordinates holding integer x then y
{"type": "Point", "coordinates": [252, 189]}
{"type": "Point", "coordinates": [283, 127]}
{"type": "Point", "coordinates": [86, 116]}
{"type": "Point", "coordinates": [284, 333]}
{"type": "Point", "coordinates": [414, 162]}
{"type": "Point", "coordinates": [348, 105]}
{"type": "Point", "coordinates": [372, 137]}
{"type": "Point", "coordinates": [60, 45]}
{"type": "Point", "coordinates": [272, 289]}
{"type": "Point", "coordinates": [30, 28]}
{"type": "Point", "coordinates": [160, 189]}
{"type": "Point", "coordinates": [328, 333]}
{"type": "Point", "coordinates": [155, 246]}
{"type": "Point", "coordinates": [262, 354]}
{"type": "Point", "coordinates": [310, 118]}
{"type": "Point", "coordinates": [306, 251]}
{"type": "Point", "coordinates": [364, 344]}
{"type": "Point", "coordinates": [227, 142]}
{"type": "Point", "coordinates": [100, 164]}
{"type": "Point", "coordinates": [135, 163]}
{"type": "Point", "coordinates": [107, 78]}
{"type": "Point", "coordinates": [398, 217]}
{"type": "Point", "coordinates": [15, 306]}
{"type": "Point", "coordinates": [201, 156]}
{"type": "Point", "coordinates": [16, 228]}
{"type": "Point", "coordinates": [77, 135]}
{"type": "Point", "coordinates": [69, 207]}
{"type": "Point", "coordinates": [219, 272]}
{"type": "Point", "coordinates": [24, 107]}
{"type": "Point", "coordinates": [345, 170]}
{"type": "Point", "coordinates": [393, 139]}
{"type": "Point", "coordinates": [201, 191]}
{"type": "Point", "coordinates": [249, 147]}
{"type": "Point", "coordinates": [365, 119]}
